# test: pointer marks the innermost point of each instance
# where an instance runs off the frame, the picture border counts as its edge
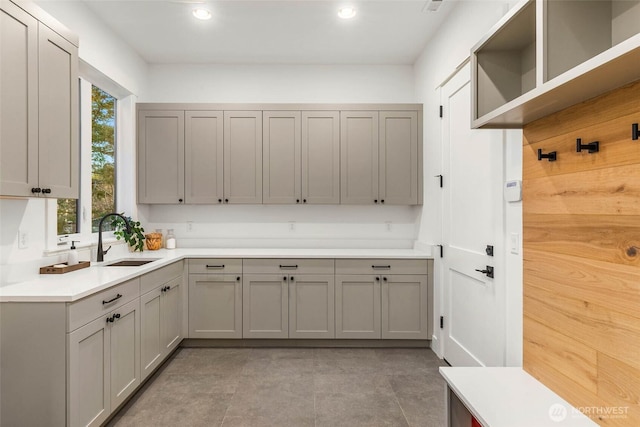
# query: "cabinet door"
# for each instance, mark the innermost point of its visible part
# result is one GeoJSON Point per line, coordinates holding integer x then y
{"type": "Point", "coordinates": [281, 179]}
{"type": "Point", "coordinates": [161, 157]}
{"type": "Point", "coordinates": [404, 307]}
{"type": "Point", "coordinates": [59, 149]}
{"type": "Point", "coordinates": [204, 158]}
{"type": "Point", "coordinates": [18, 101]}
{"type": "Point", "coordinates": [320, 157]}
{"type": "Point", "coordinates": [151, 348]}
{"type": "Point", "coordinates": [243, 156]}
{"type": "Point", "coordinates": [311, 306]}
{"type": "Point", "coordinates": [215, 306]}
{"type": "Point", "coordinates": [265, 306]}
{"type": "Point", "coordinates": [359, 157]}
{"type": "Point", "coordinates": [398, 173]}
{"type": "Point", "coordinates": [358, 306]}
{"type": "Point", "coordinates": [125, 352]}
{"type": "Point", "coordinates": [171, 315]}
{"type": "Point", "coordinates": [89, 374]}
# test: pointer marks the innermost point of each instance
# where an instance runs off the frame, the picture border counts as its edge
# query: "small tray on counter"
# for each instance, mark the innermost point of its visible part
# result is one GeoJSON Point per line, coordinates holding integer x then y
{"type": "Point", "coordinates": [62, 267]}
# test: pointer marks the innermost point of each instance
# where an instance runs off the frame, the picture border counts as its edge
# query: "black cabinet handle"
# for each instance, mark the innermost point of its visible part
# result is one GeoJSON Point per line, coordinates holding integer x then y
{"type": "Point", "coordinates": [377, 279]}
{"type": "Point", "coordinates": [375, 201]}
{"type": "Point", "coordinates": [381, 267]}
{"type": "Point", "coordinates": [288, 266]}
{"type": "Point", "coordinates": [284, 278]}
{"type": "Point", "coordinates": [179, 200]}
{"type": "Point", "coordinates": [382, 201]}
{"type": "Point", "coordinates": [46, 191]}
{"type": "Point", "coordinates": [117, 297]}
{"type": "Point", "coordinates": [215, 266]}
{"type": "Point", "coordinates": [226, 200]}
{"type": "Point", "coordinates": [292, 279]}
{"type": "Point", "coordinates": [36, 190]}
{"type": "Point", "coordinates": [297, 200]}
{"type": "Point", "coordinates": [110, 319]}
{"type": "Point", "coordinates": [238, 278]}
{"type": "Point", "coordinates": [219, 200]}
{"type": "Point", "coordinates": [117, 315]}
{"type": "Point", "coordinates": [384, 279]}
{"type": "Point", "coordinates": [304, 200]}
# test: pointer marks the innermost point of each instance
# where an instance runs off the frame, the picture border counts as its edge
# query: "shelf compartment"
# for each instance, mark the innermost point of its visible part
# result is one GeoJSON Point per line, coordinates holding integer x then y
{"type": "Point", "coordinates": [578, 30]}
{"type": "Point", "coordinates": [505, 63]}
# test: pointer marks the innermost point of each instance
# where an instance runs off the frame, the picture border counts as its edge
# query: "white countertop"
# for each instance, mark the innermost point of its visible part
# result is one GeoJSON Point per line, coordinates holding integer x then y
{"type": "Point", "coordinates": [81, 283]}
{"type": "Point", "coordinates": [508, 397]}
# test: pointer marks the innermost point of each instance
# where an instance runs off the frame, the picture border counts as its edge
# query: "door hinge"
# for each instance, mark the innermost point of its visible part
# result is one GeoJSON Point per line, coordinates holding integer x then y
{"type": "Point", "coordinates": [441, 322]}
{"type": "Point", "coordinates": [441, 111]}
{"type": "Point", "coordinates": [441, 250]}
{"type": "Point", "coordinates": [441, 180]}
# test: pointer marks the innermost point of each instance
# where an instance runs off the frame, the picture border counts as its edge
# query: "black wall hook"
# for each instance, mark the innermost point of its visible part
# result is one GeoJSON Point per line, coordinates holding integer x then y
{"type": "Point", "coordinates": [593, 147]}
{"type": "Point", "coordinates": [552, 156]}
{"type": "Point", "coordinates": [635, 133]}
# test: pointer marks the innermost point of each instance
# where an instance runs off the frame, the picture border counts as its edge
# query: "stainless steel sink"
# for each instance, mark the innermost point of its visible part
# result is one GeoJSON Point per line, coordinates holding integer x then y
{"type": "Point", "coordinates": [130, 263]}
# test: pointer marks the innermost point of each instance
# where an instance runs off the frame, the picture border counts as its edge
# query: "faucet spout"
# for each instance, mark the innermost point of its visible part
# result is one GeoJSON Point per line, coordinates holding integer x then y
{"type": "Point", "coordinates": [101, 251]}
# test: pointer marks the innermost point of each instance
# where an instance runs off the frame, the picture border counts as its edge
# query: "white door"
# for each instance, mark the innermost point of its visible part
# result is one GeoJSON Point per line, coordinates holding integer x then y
{"type": "Point", "coordinates": [472, 215]}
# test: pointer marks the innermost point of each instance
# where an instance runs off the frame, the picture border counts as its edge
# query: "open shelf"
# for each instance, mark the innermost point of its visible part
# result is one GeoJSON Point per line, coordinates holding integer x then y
{"type": "Point", "coordinates": [546, 55]}
{"type": "Point", "coordinates": [506, 63]}
{"type": "Point", "coordinates": [576, 31]}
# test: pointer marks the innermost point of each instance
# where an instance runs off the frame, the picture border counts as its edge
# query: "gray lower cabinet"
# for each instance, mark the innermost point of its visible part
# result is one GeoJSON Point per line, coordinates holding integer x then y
{"type": "Point", "coordinates": [215, 305]}
{"type": "Point", "coordinates": [404, 306]}
{"type": "Point", "coordinates": [311, 306]}
{"type": "Point", "coordinates": [265, 306]}
{"type": "Point", "coordinates": [358, 307]}
{"type": "Point", "coordinates": [104, 365]}
{"type": "Point", "coordinates": [39, 132]}
{"type": "Point", "coordinates": [161, 312]}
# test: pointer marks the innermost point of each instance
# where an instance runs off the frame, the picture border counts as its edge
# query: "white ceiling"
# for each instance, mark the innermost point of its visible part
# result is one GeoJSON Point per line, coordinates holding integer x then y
{"type": "Point", "coordinates": [268, 32]}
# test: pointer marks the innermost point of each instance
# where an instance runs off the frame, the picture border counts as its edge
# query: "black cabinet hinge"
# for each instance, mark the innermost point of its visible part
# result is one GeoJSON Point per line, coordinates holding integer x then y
{"type": "Point", "coordinates": [441, 111]}
{"type": "Point", "coordinates": [441, 322]}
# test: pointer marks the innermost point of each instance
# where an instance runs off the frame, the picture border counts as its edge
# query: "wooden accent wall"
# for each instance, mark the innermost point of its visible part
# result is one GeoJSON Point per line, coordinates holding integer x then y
{"type": "Point", "coordinates": [581, 240]}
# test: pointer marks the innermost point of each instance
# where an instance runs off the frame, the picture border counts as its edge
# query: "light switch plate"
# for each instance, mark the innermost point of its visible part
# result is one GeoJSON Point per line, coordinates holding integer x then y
{"type": "Point", "coordinates": [515, 243]}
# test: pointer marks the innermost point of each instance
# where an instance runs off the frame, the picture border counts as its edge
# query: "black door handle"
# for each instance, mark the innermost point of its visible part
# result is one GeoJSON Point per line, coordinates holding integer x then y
{"type": "Point", "coordinates": [488, 271]}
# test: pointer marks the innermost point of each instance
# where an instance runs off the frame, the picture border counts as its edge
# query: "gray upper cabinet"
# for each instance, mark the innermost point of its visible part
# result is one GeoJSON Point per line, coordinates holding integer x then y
{"type": "Point", "coordinates": [359, 157]}
{"type": "Point", "coordinates": [398, 158]}
{"type": "Point", "coordinates": [281, 182]}
{"type": "Point", "coordinates": [161, 157]}
{"type": "Point", "coordinates": [243, 156]}
{"type": "Point", "coordinates": [320, 157]}
{"type": "Point", "coordinates": [204, 157]}
{"type": "Point", "coordinates": [39, 145]}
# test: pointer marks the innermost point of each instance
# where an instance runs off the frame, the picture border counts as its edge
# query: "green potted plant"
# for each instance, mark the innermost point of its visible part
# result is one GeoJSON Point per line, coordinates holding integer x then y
{"type": "Point", "coordinates": [135, 239]}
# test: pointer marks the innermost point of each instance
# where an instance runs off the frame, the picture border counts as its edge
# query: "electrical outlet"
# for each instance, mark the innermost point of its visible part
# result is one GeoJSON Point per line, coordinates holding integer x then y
{"type": "Point", "coordinates": [23, 239]}
{"type": "Point", "coordinates": [388, 225]}
{"type": "Point", "coordinates": [189, 225]}
{"type": "Point", "coordinates": [292, 226]}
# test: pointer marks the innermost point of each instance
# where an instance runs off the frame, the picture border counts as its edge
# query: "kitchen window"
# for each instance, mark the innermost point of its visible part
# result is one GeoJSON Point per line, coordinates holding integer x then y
{"type": "Point", "coordinates": [78, 219]}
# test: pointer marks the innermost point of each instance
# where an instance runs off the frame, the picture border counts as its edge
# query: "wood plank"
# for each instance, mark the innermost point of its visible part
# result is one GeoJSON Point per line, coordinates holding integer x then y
{"type": "Point", "coordinates": [609, 332]}
{"type": "Point", "coordinates": [610, 238]}
{"type": "Point", "coordinates": [614, 287]}
{"type": "Point", "coordinates": [619, 384]}
{"type": "Point", "coordinates": [616, 149]}
{"type": "Point", "coordinates": [546, 346]}
{"type": "Point", "coordinates": [617, 103]}
{"type": "Point", "coordinates": [610, 191]}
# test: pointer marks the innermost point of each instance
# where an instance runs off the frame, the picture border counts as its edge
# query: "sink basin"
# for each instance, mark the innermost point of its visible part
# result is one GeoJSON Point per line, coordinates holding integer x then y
{"type": "Point", "coordinates": [130, 263]}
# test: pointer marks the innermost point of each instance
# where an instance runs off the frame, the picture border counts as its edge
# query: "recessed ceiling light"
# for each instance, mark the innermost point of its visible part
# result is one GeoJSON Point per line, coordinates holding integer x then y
{"type": "Point", "coordinates": [347, 12]}
{"type": "Point", "coordinates": [203, 14]}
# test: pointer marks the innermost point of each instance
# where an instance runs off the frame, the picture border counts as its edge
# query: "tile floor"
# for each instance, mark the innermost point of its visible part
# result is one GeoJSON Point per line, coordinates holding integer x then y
{"type": "Point", "coordinates": [294, 387]}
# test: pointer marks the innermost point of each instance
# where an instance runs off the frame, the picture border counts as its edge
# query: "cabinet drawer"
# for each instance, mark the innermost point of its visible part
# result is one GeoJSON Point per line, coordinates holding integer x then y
{"type": "Point", "coordinates": [160, 276]}
{"type": "Point", "coordinates": [215, 265]}
{"type": "Point", "coordinates": [381, 266]}
{"type": "Point", "coordinates": [286, 266]}
{"type": "Point", "coordinates": [87, 309]}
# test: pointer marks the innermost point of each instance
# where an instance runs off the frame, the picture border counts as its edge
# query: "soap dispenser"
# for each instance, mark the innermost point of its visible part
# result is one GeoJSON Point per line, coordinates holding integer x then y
{"type": "Point", "coordinates": [72, 257]}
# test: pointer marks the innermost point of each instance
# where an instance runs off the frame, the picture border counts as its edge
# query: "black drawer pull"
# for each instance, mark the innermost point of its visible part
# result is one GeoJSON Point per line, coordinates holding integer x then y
{"type": "Point", "coordinates": [117, 297]}
{"type": "Point", "coordinates": [215, 266]}
{"type": "Point", "coordinates": [289, 266]}
{"type": "Point", "coordinates": [381, 267]}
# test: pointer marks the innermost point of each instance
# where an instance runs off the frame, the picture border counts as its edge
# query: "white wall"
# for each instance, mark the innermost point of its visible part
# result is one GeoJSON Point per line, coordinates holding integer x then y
{"type": "Point", "coordinates": [279, 83]}
{"type": "Point", "coordinates": [449, 48]}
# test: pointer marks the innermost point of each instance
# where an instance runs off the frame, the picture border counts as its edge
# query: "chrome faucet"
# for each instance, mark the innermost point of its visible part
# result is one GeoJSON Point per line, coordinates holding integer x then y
{"type": "Point", "coordinates": [101, 252]}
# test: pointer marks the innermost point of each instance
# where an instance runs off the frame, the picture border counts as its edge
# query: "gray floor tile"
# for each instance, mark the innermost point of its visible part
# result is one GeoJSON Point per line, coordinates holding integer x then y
{"type": "Point", "coordinates": [358, 409]}
{"type": "Point", "coordinates": [352, 384]}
